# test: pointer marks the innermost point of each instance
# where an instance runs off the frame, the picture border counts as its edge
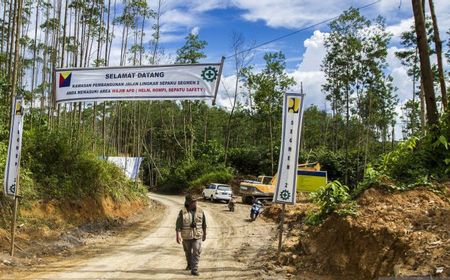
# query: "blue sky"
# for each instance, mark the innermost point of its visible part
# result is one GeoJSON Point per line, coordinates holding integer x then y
{"type": "Point", "coordinates": [262, 20]}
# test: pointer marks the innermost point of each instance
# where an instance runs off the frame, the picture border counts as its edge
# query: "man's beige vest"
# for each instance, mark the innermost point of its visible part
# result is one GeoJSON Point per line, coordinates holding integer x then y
{"type": "Point", "coordinates": [187, 231]}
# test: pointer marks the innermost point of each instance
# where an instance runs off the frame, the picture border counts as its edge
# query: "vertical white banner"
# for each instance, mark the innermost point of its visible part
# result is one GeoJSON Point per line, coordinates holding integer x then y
{"type": "Point", "coordinates": [14, 148]}
{"type": "Point", "coordinates": [286, 190]}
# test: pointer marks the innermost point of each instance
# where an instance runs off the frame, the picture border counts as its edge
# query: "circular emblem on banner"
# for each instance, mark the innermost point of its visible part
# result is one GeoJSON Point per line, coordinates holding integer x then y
{"type": "Point", "coordinates": [209, 74]}
{"type": "Point", "coordinates": [12, 188]}
{"type": "Point", "coordinates": [285, 194]}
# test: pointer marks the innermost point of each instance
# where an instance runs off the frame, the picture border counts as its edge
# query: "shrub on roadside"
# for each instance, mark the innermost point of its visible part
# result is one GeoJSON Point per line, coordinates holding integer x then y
{"type": "Point", "coordinates": [332, 198]}
{"type": "Point", "coordinates": [192, 174]}
{"type": "Point", "coordinates": [224, 175]}
{"type": "Point", "coordinates": [65, 170]}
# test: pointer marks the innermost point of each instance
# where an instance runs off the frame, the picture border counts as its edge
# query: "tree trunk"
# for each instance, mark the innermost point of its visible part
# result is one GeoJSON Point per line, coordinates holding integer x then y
{"type": "Point", "coordinates": [230, 117]}
{"type": "Point", "coordinates": [157, 29]}
{"type": "Point", "coordinates": [425, 68]}
{"type": "Point", "coordinates": [423, 120]}
{"type": "Point", "coordinates": [272, 163]}
{"type": "Point", "coordinates": [347, 120]}
{"type": "Point", "coordinates": [16, 49]}
{"type": "Point", "coordinates": [438, 44]}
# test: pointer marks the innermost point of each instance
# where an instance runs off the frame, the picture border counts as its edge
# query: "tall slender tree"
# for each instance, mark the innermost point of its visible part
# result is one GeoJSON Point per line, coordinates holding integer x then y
{"type": "Point", "coordinates": [438, 45]}
{"type": "Point", "coordinates": [425, 66]}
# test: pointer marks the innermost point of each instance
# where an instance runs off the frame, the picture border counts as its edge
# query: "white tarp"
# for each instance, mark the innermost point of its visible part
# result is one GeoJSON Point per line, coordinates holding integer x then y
{"type": "Point", "coordinates": [286, 190]}
{"type": "Point", "coordinates": [14, 148]}
{"type": "Point", "coordinates": [129, 165]}
{"type": "Point", "coordinates": [162, 82]}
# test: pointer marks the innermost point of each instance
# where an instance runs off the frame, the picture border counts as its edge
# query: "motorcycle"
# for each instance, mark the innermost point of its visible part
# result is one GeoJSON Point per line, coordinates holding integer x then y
{"type": "Point", "coordinates": [256, 209]}
{"type": "Point", "coordinates": [231, 204]}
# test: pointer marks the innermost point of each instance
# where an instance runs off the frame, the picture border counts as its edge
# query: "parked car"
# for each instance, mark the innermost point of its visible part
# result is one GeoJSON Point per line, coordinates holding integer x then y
{"type": "Point", "coordinates": [217, 191]}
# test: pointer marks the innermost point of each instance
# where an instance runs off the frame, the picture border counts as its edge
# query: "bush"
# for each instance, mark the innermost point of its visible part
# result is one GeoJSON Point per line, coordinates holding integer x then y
{"type": "Point", "coordinates": [224, 175]}
{"type": "Point", "coordinates": [417, 160]}
{"type": "Point", "coordinates": [245, 160]}
{"type": "Point", "coordinates": [192, 174]}
{"type": "Point", "coordinates": [252, 160]}
{"type": "Point", "coordinates": [68, 171]}
{"type": "Point", "coordinates": [332, 198]}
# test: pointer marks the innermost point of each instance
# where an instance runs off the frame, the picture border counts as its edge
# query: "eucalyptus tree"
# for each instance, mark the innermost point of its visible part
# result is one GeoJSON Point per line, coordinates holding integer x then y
{"type": "Point", "coordinates": [140, 12]}
{"type": "Point", "coordinates": [190, 53]}
{"type": "Point", "coordinates": [342, 66]}
{"type": "Point", "coordinates": [240, 56]}
{"type": "Point", "coordinates": [268, 87]}
{"type": "Point", "coordinates": [438, 47]}
{"type": "Point", "coordinates": [409, 57]}
{"type": "Point", "coordinates": [357, 83]}
{"type": "Point", "coordinates": [447, 54]}
{"type": "Point", "coordinates": [410, 118]}
{"type": "Point", "coordinates": [156, 33]}
{"type": "Point", "coordinates": [425, 66]}
{"type": "Point", "coordinates": [376, 99]}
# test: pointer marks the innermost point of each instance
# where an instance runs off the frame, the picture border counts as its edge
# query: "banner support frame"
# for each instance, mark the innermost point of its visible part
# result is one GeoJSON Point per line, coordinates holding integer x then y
{"type": "Point", "coordinates": [218, 80]}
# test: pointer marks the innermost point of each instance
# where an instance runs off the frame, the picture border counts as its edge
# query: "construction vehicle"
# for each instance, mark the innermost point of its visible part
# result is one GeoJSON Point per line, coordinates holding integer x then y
{"type": "Point", "coordinates": [264, 187]}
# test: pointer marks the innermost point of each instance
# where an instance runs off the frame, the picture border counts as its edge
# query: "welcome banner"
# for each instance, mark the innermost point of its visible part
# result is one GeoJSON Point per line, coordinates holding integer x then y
{"type": "Point", "coordinates": [286, 190]}
{"type": "Point", "coordinates": [162, 82]}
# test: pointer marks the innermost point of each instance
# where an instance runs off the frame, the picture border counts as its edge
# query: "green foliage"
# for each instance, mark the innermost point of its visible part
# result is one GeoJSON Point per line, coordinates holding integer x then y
{"type": "Point", "coordinates": [67, 170]}
{"type": "Point", "coordinates": [211, 151]}
{"type": "Point", "coordinates": [332, 198]}
{"type": "Point", "coordinates": [417, 159]}
{"type": "Point", "coordinates": [223, 175]}
{"type": "Point", "coordinates": [192, 51]}
{"type": "Point", "coordinates": [415, 162]}
{"type": "Point", "coordinates": [400, 156]}
{"type": "Point", "coordinates": [270, 84]}
{"type": "Point", "coordinates": [192, 173]}
{"type": "Point", "coordinates": [247, 160]}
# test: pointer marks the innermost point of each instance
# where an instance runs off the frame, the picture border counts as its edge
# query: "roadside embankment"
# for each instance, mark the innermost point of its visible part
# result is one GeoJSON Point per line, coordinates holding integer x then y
{"type": "Point", "coordinates": [393, 234]}
{"type": "Point", "coordinates": [48, 229]}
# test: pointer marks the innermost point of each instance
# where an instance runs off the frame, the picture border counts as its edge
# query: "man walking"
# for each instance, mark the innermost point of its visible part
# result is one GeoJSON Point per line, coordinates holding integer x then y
{"type": "Point", "coordinates": [191, 231]}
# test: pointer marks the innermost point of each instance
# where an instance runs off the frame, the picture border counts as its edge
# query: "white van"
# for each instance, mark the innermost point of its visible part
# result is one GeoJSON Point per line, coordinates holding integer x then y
{"type": "Point", "coordinates": [217, 191]}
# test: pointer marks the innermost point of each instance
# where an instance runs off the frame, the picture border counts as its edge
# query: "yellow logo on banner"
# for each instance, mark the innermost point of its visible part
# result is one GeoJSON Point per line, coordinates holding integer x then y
{"type": "Point", "coordinates": [293, 105]}
{"type": "Point", "coordinates": [19, 108]}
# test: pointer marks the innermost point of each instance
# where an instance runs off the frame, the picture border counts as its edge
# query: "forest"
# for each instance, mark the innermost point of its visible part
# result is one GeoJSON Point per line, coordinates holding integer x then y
{"type": "Point", "coordinates": [190, 143]}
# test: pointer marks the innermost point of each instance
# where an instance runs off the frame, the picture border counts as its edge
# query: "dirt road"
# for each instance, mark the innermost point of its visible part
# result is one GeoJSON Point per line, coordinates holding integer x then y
{"type": "Point", "coordinates": [233, 241]}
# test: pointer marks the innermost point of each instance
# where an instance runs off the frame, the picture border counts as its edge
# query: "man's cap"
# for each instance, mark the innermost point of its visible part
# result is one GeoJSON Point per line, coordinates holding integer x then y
{"type": "Point", "coordinates": [189, 198]}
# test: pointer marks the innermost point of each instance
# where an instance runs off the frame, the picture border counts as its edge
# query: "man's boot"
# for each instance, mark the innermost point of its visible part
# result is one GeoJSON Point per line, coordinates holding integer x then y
{"type": "Point", "coordinates": [195, 273]}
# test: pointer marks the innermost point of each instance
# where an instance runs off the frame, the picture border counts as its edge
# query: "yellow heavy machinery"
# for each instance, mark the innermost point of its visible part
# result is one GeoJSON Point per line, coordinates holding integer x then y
{"type": "Point", "coordinates": [309, 178]}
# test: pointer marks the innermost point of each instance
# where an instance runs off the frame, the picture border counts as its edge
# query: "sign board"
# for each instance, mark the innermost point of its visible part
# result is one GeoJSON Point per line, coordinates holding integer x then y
{"type": "Point", "coordinates": [129, 165]}
{"type": "Point", "coordinates": [310, 181]}
{"type": "Point", "coordinates": [14, 148]}
{"type": "Point", "coordinates": [286, 188]}
{"type": "Point", "coordinates": [162, 82]}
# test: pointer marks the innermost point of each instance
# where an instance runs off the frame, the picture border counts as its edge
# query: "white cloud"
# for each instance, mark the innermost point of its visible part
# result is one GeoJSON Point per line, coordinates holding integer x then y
{"type": "Point", "coordinates": [171, 37]}
{"type": "Point", "coordinates": [202, 5]}
{"type": "Point", "coordinates": [309, 72]}
{"type": "Point", "coordinates": [402, 81]}
{"type": "Point", "coordinates": [397, 29]}
{"type": "Point", "coordinates": [226, 91]}
{"type": "Point", "coordinates": [178, 20]}
{"type": "Point", "coordinates": [195, 30]}
{"type": "Point", "coordinates": [290, 14]}
{"type": "Point", "coordinates": [314, 52]}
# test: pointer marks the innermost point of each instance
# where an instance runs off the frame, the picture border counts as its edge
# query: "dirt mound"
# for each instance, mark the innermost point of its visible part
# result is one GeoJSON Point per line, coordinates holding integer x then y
{"type": "Point", "coordinates": [45, 228]}
{"type": "Point", "coordinates": [403, 234]}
